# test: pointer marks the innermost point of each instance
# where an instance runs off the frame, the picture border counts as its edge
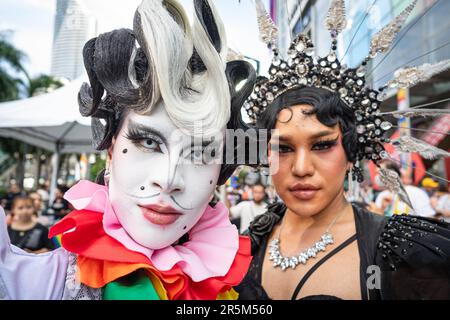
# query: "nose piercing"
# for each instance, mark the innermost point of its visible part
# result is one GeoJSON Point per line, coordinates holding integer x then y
{"type": "Point", "coordinates": [142, 188]}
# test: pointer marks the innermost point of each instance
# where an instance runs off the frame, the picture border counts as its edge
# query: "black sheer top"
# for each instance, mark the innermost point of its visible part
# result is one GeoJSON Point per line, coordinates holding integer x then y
{"type": "Point", "coordinates": [402, 257]}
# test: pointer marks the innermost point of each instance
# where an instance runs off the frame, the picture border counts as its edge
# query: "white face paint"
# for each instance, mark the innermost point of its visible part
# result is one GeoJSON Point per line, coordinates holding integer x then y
{"type": "Point", "coordinates": [159, 186]}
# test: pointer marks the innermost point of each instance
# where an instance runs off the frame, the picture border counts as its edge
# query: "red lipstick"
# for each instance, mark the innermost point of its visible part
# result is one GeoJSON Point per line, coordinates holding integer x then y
{"type": "Point", "coordinates": [160, 214]}
{"type": "Point", "coordinates": [304, 191]}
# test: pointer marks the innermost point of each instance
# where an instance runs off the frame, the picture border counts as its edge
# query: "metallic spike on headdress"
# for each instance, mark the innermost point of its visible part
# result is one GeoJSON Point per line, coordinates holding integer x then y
{"type": "Point", "coordinates": [409, 144]}
{"type": "Point", "coordinates": [300, 68]}
{"type": "Point", "coordinates": [409, 113]}
{"type": "Point", "coordinates": [391, 181]}
{"type": "Point", "coordinates": [383, 40]}
{"type": "Point", "coordinates": [268, 31]}
{"type": "Point", "coordinates": [406, 78]}
{"type": "Point", "coordinates": [336, 20]}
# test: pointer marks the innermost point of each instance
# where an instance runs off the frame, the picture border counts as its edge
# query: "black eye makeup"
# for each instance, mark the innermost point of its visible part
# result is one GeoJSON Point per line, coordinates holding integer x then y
{"type": "Point", "coordinates": [283, 148]}
{"type": "Point", "coordinates": [144, 138]}
{"type": "Point", "coordinates": [320, 145]}
{"type": "Point", "coordinates": [280, 148]}
{"type": "Point", "coordinates": [325, 144]}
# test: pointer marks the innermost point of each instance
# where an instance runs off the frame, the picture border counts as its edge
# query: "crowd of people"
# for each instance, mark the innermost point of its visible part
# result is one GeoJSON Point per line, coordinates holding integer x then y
{"type": "Point", "coordinates": [29, 216]}
{"type": "Point", "coordinates": [429, 198]}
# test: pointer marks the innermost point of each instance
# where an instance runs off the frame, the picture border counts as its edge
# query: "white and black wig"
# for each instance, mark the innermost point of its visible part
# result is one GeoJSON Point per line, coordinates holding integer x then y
{"type": "Point", "coordinates": [164, 57]}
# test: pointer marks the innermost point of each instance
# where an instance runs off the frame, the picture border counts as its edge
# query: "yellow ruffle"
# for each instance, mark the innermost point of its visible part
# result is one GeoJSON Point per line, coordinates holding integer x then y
{"type": "Point", "coordinates": [228, 295]}
{"type": "Point", "coordinates": [157, 284]}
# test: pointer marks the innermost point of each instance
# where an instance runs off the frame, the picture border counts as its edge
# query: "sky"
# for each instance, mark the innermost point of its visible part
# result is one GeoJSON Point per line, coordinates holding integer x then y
{"type": "Point", "coordinates": [31, 22]}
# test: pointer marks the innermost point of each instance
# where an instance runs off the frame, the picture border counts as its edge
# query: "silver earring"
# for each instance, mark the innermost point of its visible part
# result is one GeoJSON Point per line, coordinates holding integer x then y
{"type": "Point", "coordinates": [353, 186]}
{"type": "Point", "coordinates": [106, 176]}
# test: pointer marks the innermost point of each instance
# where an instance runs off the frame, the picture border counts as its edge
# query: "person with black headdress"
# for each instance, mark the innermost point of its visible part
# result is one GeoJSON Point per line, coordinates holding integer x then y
{"type": "Point", "coordinates": [315, 244]}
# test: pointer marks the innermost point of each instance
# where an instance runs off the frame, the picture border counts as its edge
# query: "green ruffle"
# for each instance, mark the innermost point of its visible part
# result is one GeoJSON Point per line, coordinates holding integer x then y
{"type": "Point", "coordinates": [135, 286]}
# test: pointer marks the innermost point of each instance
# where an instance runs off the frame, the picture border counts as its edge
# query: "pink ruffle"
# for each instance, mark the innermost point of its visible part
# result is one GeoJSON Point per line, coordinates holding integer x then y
{"type": "Point", "coordinates": [210, 251]}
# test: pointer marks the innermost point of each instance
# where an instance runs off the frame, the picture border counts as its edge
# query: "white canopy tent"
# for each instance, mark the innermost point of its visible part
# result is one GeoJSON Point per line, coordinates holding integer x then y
{"type": "Point", "coordinates": [50, 121]}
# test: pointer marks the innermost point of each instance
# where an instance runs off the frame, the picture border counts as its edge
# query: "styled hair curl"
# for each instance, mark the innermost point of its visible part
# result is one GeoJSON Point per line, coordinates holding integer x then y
{"type": "Point", "coordinates": [164, 58]}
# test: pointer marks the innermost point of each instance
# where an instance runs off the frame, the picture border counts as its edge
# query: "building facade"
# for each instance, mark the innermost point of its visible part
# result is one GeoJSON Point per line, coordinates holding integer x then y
{"type": "Point", "coordinates": [74, 26]}
{"type": "Point", "coordinates": [427, 26]}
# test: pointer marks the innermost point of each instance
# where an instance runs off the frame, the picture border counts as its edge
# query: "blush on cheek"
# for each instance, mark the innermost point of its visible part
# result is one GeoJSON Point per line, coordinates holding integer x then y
{"type": "Point", "coordinates": [333, 162]}
{"type": "Point", "coordinates": [341, 156]}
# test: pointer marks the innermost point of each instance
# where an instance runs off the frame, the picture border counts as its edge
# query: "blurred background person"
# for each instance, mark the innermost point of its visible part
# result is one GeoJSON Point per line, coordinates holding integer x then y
{"type": "Point", "coordinates": [388, 204]}
{"type": "Point", "coordinates": [43, 192]}
{"type": "Point", "coordinates": [440, 202]}
{"type": "Point", "coordinates": [246, 211]}
{"type": "Point", "coordinates": [14, 190]}
{"type": "Point", "coordinates": [272, 195]}
{"type": "Point", "coordinates": [367, 193]}
{"type": "Point", "coordinates": [24, 231]}
{"type": "Point", "coordinates": [39, 209]}
{"type": "Point", "coordinates": [430, 186]}
{"type": "Point", "coordinates": [37, 202]}
{"type": "Point", "coordinates": [60, 206]}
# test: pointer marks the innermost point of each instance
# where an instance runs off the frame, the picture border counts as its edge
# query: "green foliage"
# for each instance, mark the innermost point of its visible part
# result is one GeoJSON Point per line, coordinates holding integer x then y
{"type": "Point", "coordinates": [11, 66]}
{"type": "Point", "coordinates": [43, 84]}
{"type": "Point", "coordinates": [241, 177]}
{"type": "Point", "coordinates": [98, 166]}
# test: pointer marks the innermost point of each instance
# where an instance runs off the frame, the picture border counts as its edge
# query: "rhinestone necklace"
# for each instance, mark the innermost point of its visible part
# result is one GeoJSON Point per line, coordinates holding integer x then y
{"type": "Point", "coordinates": [291, 262]}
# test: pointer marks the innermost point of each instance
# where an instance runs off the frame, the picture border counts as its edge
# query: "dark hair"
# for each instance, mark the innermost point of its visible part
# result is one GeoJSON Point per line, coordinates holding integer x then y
{"type": "Point", "coordinates": [17, 199]}
{"type": "Point", "coordinates": [327, 107]}
{"type": "Point", "coordinates": [237, 71]}
{"type": "Point", "coordinates": [259, 184]}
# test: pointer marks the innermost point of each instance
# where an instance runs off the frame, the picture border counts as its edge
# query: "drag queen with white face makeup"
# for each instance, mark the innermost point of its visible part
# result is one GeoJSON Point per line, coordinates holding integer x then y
{"type": "Point", "coordinates": [173, 178]}
{"type": "Point", "coordinates": [160, 97]}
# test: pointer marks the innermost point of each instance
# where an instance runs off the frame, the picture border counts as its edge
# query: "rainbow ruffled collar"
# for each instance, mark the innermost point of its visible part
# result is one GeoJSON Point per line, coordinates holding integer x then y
{"type": "Point", "coordinates": [210, 251]}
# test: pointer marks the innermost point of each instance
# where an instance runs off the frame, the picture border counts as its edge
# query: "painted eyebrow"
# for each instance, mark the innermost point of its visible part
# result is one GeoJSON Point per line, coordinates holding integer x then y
{"type": "Point", "coordinates": [317, 135]}
{"type": "Point", "coordinates": [322, 134]}
{"type": "Point", "coordinates": [140, 127]}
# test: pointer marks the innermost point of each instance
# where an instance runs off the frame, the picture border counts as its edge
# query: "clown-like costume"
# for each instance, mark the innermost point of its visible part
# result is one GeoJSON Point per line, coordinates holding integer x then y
{"type": "Point", "coordinates": [160, 98]}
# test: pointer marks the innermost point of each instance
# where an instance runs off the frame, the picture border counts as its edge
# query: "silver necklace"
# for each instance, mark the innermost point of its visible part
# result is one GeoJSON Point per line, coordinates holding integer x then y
{"type": "Point", "coordinates": [291, 262]}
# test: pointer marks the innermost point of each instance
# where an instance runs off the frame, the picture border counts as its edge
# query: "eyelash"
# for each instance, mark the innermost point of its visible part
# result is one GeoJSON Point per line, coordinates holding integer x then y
{"type": "Point", "coordinates": [325, 144]}
{"type": "Point", "coordinates": [282, 148]}
{"type": "Point", "coordinates": [137, 137]}
{"type": "Point", "coordinates": [318, 146]}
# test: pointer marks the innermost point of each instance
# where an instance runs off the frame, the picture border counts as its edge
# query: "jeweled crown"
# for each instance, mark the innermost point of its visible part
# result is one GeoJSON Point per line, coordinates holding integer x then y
{"type": "Point", "coordinates": [303, 69]}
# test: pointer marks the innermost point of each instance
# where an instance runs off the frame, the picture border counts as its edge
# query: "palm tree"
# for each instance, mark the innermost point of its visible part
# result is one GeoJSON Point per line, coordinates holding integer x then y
{"type": "Point", "coordinates": [11, 85]}
{"type": "Point", "coordinates": [11, 59]}
{"type": "Point", "coordinates": [42, 84]}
